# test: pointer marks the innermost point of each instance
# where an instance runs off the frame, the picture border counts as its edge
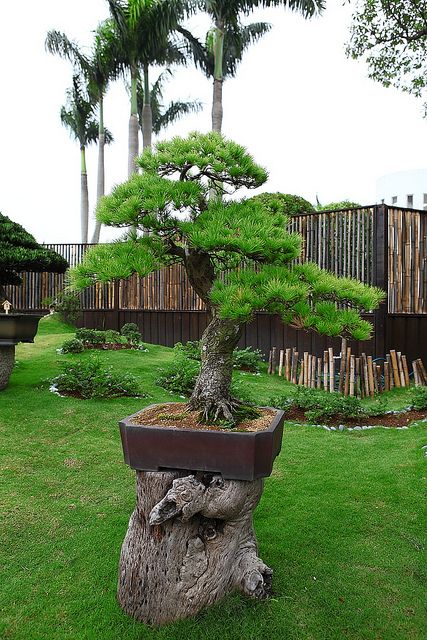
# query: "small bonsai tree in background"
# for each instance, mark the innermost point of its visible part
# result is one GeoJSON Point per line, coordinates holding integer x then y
{"type": "Point", "coordinates": [244, 238]}
{"type": "Point", "coordinates": [19, 251]}
{"type": "Point", "coordinates": [284, 203]}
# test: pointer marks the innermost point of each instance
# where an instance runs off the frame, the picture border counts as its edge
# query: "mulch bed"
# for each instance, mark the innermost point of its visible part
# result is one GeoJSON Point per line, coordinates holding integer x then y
{"type": "Point", "coordinates": [388, 420]}
{"type": "Point", "coordinates": [177, 415]}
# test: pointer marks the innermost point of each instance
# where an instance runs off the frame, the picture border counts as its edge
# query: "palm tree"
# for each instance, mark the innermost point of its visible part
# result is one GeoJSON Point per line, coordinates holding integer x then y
{"type": "Point", "coordinates": [163, 116]}
{"type": "Point", "coordinates": [139, 31]}
{"type": "Point", "coordinates": [98, 68]}
{"type": "Point", "coordinates": [78, 116]}
{"type": "Point", "coordinates": [226, 42]}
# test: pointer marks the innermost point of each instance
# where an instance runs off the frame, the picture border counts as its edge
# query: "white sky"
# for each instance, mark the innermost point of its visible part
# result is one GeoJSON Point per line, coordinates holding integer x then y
{"type": "Point", "coordinates": [304, 111]}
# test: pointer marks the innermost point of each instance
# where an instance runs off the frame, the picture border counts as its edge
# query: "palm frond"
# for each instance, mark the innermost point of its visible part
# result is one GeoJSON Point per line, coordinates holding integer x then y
{"type": "Point", "coordinates": [201, 56]}
{"type": "Point", "coordinates": [175, 111]}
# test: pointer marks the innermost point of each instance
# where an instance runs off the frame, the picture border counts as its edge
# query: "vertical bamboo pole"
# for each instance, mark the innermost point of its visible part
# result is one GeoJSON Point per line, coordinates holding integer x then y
{"type": "Point", "coordinates": [371, 377]}
{"type": "Point", "coordinates": [294, 366]}
{"type": "Point", "coordinates": [386, 376]}
{"type": "Point", "coordinates": [309, 362]}
{"type": "Point", "coordinates": [358, 384]}
{"type": "Point", "coordinates": [390, 370]}
{"type": "Point", "coordinates": [405, 370]}
{"type": "Point", "coordinates": [347, 371]}
{"type": "Point", "coordinates": [416, 374]}
{"type": "Point", "coordinates": [400, 368]}
{"type": "Point", "coordinates": [313, 372]}
{"type": "Point", "coordinates": [365, 374]}
{"type": "Point", "coordinates": [342, 365]}
{"type": "Point", "coordinates": [422, 370]}
{"type": "Point", "coordinates": [396, 377]}
{"type": "Point", "coordinates": [325, 370]}
{"type": "Point", "coordinates": [352, 368]}
{"type": "Point", "coordinates": [379, 385]}
{"type": "Point", "coordinates": [319, 373]}
{"type": "Point", "coordinates": [331, 370]}
{"type": "Point", "coordinates": [281, 354]}
{"type": "Point", "coordinates": [301, 375]}
{"type": "Point", "coordinates": [273, 361]}
{"type": "Point", "coordinates": [305, 379]}
{"type": "Point", "coordinates": [270, 362]}
{"type": "Point", "coordinates": [288, 364]}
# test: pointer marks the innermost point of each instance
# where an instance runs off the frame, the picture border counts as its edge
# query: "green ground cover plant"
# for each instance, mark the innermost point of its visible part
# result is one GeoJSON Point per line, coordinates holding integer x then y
{"type": "Point", "coordinates": [90, 379]}
{"type": "Point", "coordinates": [419, 398]}
{"type": "Point", "coordinates": [321, 405]}
{"type": "Point", "coordinates": [342, 518]}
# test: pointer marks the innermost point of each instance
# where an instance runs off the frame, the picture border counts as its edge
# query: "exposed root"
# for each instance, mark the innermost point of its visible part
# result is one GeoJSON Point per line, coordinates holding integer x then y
{"type": "Point", "coordinates": [216, 410]}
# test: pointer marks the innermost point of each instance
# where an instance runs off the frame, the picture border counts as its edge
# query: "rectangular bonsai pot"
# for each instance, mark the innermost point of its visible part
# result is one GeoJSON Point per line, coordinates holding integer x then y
{"type": "Point", "coordinates": [18, 327]}
{"type": "Point", "coordinates": [237, 455]}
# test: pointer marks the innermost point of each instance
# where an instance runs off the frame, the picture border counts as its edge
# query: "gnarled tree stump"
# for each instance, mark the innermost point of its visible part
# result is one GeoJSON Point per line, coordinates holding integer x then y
{"type": "Point", "coordinates": [7, 360]}
{"type": "Point", "coordinates": [190, 541]}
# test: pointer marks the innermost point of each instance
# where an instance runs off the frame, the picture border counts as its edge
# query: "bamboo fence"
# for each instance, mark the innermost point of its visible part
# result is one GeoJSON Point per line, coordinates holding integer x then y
{"type": "Point", "coordinates": [344, 242]}
{"type": "Point", "coordinates": [346, 374]}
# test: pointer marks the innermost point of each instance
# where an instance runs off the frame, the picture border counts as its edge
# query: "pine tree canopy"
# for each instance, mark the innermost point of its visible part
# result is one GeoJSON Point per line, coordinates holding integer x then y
{"type": "Point", "coordinates": [19, 251]}
{"type": "Point", "coordinates": [239, 254]}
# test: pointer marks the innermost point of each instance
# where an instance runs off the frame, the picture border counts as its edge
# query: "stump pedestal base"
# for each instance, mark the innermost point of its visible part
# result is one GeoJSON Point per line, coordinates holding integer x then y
{"type": "Point", "coordinates": [190, 541]}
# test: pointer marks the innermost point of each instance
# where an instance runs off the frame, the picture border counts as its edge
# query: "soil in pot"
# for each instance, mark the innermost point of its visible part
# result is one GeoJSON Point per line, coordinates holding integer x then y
{"type": "Point", "coordinates": [179, 416]}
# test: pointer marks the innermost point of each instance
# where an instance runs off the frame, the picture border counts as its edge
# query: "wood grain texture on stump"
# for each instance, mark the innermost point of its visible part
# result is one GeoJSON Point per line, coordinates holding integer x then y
{"type": "Point", "coordinates": [7, 361]}
{"type": "Point", "coordinates": [190, 542]}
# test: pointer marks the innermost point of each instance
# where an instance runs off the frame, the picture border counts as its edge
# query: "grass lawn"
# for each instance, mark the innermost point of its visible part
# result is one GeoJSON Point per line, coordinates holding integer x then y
{"type": "Point", "coordinates": [342, 520]}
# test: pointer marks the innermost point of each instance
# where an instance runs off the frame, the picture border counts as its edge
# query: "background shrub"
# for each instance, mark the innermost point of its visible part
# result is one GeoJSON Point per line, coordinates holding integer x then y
{"type": "Point", "coordinates": [72, 346]}
{"type": "Point", "coordinates": [248, 359]}
{"type": "Point", "coordinates": [286, 203]}
{"type": "Point", "coordinates": [190, 349]}
{"type": "Point", "coordinates": [88, 379]}
{"type": "Point", "coordinates": [113, 337]}
{"type": "Point", "coordinates": [132, 333]}
{"type": "Point", "coordinates": [181, 375]}
{"type": "Point", "coordinates": [419, 398]}
{"type": "Point", "coordinates": [336, 206]}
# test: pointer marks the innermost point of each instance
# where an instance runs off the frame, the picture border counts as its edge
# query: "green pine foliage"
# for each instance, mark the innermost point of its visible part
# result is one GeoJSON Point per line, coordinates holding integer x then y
{"type": "Point", "coordinates": [248, 239]}
{"type": "Point", "coordinates": [19, 251]}
{"type": "Point", "coordinates": [284, 203]}
{"type": "Point", "coordinates": [338, 206]}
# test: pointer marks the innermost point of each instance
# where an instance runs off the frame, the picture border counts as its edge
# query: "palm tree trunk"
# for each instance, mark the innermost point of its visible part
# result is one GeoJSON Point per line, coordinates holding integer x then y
{"type": "Point", "coordinates": [84, 208]}
{"type": "Point", "coordinates": [147, 116]}
{"type": "Point", "coordinates": [217, 110]}
{"type": "Point", "coordinates": [133, 124]}
{"type": "Point", "coordinates": [100, 189]}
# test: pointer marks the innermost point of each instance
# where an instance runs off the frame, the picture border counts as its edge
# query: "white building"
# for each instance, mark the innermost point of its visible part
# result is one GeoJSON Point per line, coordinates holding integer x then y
{"type": "Point", "coordinates": [404, 189]}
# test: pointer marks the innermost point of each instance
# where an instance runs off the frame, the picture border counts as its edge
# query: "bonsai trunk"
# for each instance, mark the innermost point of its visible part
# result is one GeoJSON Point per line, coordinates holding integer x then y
{"type": "Point", "coordinates": [7, 360]}
{"type": "Point", "coordinates": [190, 541]}
{"type": "Point", "coordinates": [212, 390]}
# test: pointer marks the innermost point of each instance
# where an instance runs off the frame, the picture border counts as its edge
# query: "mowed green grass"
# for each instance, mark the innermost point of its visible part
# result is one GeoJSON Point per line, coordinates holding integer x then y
{"type": "Point", "coordinates": [342, 520]}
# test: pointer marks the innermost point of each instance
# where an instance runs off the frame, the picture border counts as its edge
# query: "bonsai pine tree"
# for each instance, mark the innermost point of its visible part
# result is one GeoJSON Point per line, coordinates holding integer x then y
{"type": "Point", "coordinates": [237, 254]}
{"type": "Point", "coordinates": [19, 251]}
